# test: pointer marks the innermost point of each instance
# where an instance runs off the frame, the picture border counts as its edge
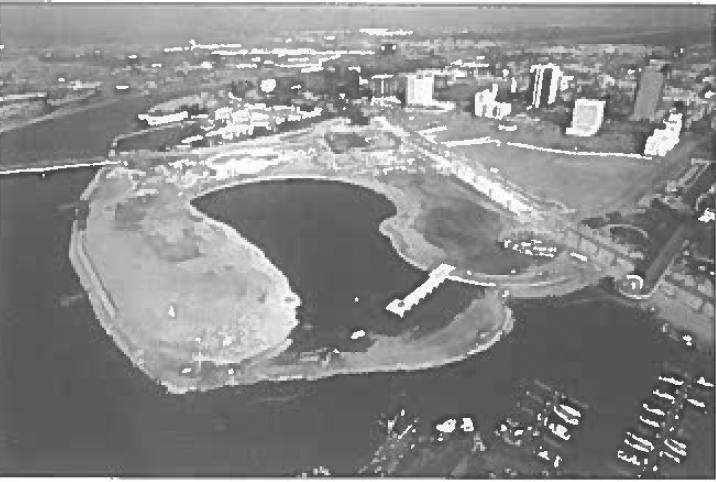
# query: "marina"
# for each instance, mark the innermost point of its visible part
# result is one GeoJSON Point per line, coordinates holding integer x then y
{"type": "Point", "coordinates": [662, 426]}
{"type": "Point", "coordinates": [543, 424]}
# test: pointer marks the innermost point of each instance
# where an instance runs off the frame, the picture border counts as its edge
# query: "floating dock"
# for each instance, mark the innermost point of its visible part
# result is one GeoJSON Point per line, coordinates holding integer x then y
{"type": "Point", "coordinates": [436, 278]}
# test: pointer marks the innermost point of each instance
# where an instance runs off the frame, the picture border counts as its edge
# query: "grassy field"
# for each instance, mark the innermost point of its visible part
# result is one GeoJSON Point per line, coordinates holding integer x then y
{"type": "Point", "coordinates": [454, 221]}
{"type": "Point", "coordinates": [340, 142]}
{"type": "Point", "coordinates": [587, 184]}
{"type": "Point", "coordinates": [592, 185]}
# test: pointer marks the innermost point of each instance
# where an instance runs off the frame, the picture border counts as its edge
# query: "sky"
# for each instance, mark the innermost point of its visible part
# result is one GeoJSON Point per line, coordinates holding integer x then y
{"type": "Point", "coordinates": [56, 24]}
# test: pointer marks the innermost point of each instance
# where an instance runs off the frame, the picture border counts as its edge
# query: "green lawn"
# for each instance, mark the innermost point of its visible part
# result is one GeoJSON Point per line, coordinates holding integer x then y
{"type": "Point", "coordinates": [583, 183]}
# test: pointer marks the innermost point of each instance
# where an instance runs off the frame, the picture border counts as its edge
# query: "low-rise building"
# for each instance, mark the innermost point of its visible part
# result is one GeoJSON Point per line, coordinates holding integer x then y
{"type": "Point", "coordinates": [664, 140]}
{"type": "Point", "coordinates": [486, 104]}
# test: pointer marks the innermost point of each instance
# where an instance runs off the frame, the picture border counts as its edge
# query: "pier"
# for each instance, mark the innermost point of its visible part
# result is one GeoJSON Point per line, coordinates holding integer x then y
{"type": "Point", "coordinates": [436, 278]}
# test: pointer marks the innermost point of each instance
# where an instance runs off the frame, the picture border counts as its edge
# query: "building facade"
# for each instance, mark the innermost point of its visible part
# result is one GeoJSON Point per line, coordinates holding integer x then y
{"type": "Point", "coordinates": [587, 117]}
{"type": "Point", "coordinates": [419, 90]}
{"type": "Point", "coordinates": [383, 85]}
{"type": "Point", "coordinates": [486, 104]}
{"type": "Point", "coordinates": [545, 81]}
{"type": "Point", "coordinates": [649, 92]}
{"type": "Point", "coordinates": [664, 140]}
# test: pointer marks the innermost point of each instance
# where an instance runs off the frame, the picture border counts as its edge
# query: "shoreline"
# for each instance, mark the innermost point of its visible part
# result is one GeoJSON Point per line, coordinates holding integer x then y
{"type": "Point", "coordinates": [86, 273]}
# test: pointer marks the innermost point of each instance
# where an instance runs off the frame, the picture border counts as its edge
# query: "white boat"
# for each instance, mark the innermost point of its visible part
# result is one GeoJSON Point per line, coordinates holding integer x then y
{"type": "Point", "coordinates": [671, 380]}
{"type": "Point", "coordinates": [634, 459]}
{"type": "Point", "coordinates": [564, 416]}
{"type": "Point", "coordinates": [696, 403]}
{"type": "Point", "coordinates": [638, 447]}
{"type": "Point", "coordinates": [673, 457]}
{"type": "Point", "coordinates": [702, 381]}
{"type": "Point", "coordinates": [655, 411]}
{"type": "Point", "coordinates": [681, 445]}
{"type": "Point", "coordinates": [560, 431]}
{"type": "Point", "coordinates": [571, 410]}
{"type": "Point", "coordinates": [649, 422]}
{"type": "Point", "coordinates": [646, 443]}
{"type": "Point", "coordinates": [663, 395]}
{"type": "Point", "coordinates": [674, 448]}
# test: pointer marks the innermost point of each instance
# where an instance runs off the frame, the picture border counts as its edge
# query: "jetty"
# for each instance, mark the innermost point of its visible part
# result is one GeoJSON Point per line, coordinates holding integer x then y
{"type": "Point", "coordinates": [435, 279]}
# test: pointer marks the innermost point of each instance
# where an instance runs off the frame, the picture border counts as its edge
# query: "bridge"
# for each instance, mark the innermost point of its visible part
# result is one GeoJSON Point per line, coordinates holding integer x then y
{"type": "Point", "coordinates": [56, 165]}
{"type": "Point", "coordinates": [108, 160]}
{"type": "Point", "coordinates": [436, 278]}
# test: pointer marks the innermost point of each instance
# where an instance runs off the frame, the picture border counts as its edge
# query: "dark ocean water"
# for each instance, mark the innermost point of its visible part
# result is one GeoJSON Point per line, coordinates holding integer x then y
{"type": "Point", "coordinates": [82, 134]}
{"type": "Point", "coordinates": [71, 403]}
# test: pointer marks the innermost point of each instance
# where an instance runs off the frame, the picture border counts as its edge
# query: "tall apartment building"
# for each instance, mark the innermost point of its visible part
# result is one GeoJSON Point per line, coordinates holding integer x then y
{"type": "Point", "coordinates": [650, 90]}
{"type": "Point", "coordinates": [545, 81]}
{"type": "Point", "coordinates": [419, 89]}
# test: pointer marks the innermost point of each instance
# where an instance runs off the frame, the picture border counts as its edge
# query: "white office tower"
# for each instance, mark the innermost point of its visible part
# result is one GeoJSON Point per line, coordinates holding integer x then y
{"type": "Point", "coordinates": [420, 90]}
{"type": "Point", "coordinates": [546, 82]}
{"type": "Point", "coordinates": [587, 117]}
{"type": "Point", "coordinates": [486, 104]}
{"type": "Point", "coordinates": [664, 140]}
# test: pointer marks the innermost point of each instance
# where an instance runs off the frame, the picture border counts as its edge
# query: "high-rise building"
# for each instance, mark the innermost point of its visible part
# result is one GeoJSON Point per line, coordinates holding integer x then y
{"type": "Point", "coordinates": [419, 89]}
{"type": "Point", "coordinates": [587, 117]}
{"type": "Point", "coordinates": [650, 89]}
{"type": "Point", "coordinates": [544, 84]}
